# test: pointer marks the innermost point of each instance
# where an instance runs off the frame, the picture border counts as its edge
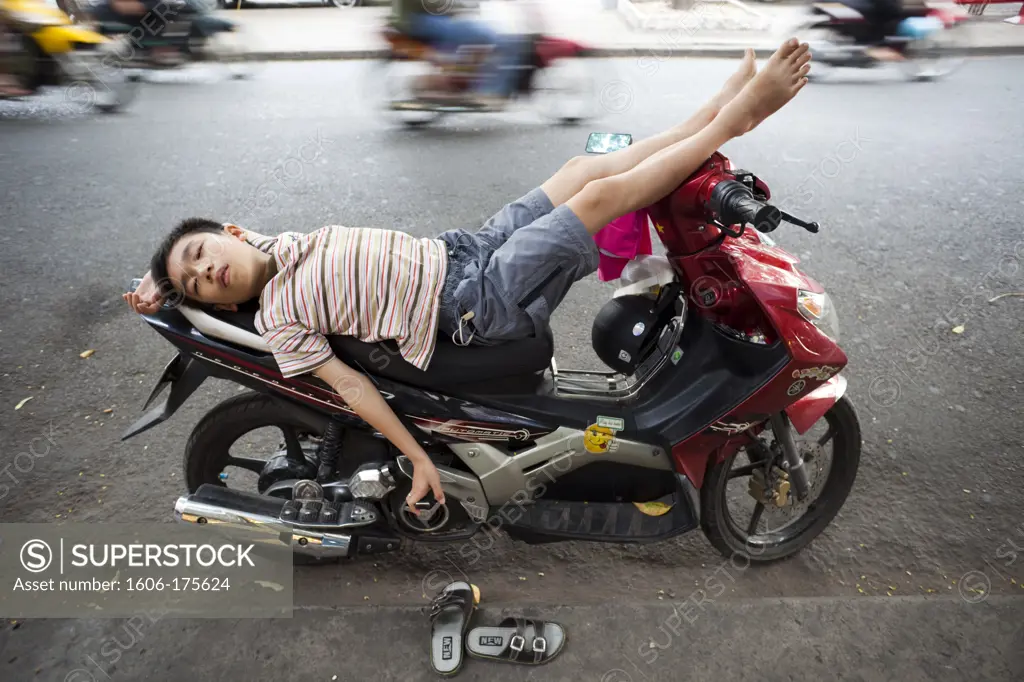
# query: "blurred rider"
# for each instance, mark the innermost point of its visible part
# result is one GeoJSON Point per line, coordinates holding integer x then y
{"type": "Point", "coordinates": [883, 18]}
{"type": "Point", "coordinates": [132, 13]}
{"type": "Point", "coordinates": [433, 22]}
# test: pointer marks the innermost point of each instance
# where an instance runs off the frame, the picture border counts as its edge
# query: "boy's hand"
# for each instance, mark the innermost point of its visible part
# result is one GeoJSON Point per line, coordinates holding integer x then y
{"type": "Point", "coordinates": [424, 478]}
{"type": "Point", "coordinates": [146, 299]}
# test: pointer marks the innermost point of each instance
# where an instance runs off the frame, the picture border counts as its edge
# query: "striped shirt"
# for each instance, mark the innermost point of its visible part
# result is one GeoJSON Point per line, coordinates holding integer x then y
{"type": "Point", "coordinates": [368, 283]}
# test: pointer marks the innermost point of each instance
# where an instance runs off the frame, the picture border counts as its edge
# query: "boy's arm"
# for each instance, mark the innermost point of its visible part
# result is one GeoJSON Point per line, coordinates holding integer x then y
{"type": "Point", "coordinates": [362, 396]}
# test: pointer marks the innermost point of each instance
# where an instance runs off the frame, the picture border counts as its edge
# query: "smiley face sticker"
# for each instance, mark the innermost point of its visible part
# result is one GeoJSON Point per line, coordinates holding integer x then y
{"type": "Point", "coordinates": [598, 439]}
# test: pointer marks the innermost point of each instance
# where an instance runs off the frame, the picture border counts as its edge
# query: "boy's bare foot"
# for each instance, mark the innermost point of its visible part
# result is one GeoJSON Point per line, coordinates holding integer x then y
{"type": "Point", "coordinates": [775, 85]}
{"type": "Point", "coordinates": [732, 87]}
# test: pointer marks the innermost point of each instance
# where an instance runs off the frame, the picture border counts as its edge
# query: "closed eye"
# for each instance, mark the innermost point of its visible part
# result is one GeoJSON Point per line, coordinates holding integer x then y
{"type": "Point", "coordinates": [195, 287]}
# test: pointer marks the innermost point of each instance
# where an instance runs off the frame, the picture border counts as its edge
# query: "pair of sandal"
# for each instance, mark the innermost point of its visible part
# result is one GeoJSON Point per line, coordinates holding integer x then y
{"type": "Point", "coordinates": [514, 640]}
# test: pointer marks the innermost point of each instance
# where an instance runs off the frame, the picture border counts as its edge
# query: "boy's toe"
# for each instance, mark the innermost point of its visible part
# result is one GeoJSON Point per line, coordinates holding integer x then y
{"type": "Point", "coordinates": [784, 51]}
{"type": "Point", "coordinates": [798, 53]}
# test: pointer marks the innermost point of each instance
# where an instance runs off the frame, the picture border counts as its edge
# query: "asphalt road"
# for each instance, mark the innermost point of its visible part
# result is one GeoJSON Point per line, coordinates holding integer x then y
{"type": "Point", "coordinates": [917, 189]}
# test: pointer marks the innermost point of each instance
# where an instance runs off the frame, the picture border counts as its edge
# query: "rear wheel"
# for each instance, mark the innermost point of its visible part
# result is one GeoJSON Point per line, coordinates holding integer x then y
{"type": "Point", "coordinates": [231, 445]}
{"type": "Point", "coordinates": [738, 514]}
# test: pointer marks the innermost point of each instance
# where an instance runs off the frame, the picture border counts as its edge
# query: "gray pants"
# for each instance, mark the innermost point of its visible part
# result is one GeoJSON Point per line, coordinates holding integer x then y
{"type": "Point", "coordinates": [514, 271]}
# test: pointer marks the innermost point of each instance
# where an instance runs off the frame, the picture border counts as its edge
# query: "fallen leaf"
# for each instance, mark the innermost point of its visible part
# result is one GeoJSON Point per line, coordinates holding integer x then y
{"type": "Point", "coordinates": [993, 300]}
{"type": "Point", "coordinates": [904, 473]}
{"type": "Point", "coordinates": [972, 516]}
{"type": "Point", "coordinates": [86, 353]}
{"type": "Point", "coordinates": [22, 403]}
{"type": "Point", "coordinates": [366, 599]}
{"type": "Point", "coordinates": [334, 678]}
{"type": "Point", "coordinates": [908, 572]}
{"type": "Point", "coordinates": [891, 587]}
{"type": "Point", "coordinates": [274, 586]}
{"type": "Point", "coordinates": [107, 411]}
{"type": "Point", "coordinates": [541, 574]}
{"type": "Point", "coordinates": [959, 329]}
{"type": "Point", "coordinates": [967, 491]}
{"type": "Point", "coordinates": [889, 593]}
{"type": "Point", "coordinates": [522, 577]}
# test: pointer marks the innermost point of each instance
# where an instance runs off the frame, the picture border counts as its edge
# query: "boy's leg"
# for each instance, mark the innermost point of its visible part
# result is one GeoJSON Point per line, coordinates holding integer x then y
{"type": "Point", "coordinates": [575, 174]}
{"type": "Point", "coordinates": [580, 170]}
{"type": "Point", "coordinates": [513, 293]}
{"type": "Point", "coordinates": [602, 201]}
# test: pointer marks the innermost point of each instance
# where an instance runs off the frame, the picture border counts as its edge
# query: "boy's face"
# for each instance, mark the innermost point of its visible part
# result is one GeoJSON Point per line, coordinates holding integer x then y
{"type": "Point", "coordinates": [216, 268]}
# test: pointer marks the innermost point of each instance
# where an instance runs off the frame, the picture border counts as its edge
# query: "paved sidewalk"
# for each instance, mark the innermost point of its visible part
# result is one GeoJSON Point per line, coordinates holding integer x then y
{"type": "Point", "coordinates": [716, 28]}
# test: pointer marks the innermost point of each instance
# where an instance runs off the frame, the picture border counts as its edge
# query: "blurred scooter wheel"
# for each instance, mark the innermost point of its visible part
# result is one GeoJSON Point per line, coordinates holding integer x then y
{"type": "Point", "coordinates": [566, 91]}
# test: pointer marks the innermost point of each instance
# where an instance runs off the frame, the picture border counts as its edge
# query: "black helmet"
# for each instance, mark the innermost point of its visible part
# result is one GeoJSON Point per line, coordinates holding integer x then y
{"type": "Point", "coordinates": [624, 331]}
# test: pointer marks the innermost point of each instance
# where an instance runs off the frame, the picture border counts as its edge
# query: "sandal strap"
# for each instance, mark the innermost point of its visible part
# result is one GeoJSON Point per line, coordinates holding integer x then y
{"type": "Point", "coordinates": [446, 600]}
{"type": "Point", "coordinates": [518, 646]}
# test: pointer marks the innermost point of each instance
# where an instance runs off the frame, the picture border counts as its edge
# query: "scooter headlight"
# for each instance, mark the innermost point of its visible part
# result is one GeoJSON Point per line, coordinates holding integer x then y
{"type": "Point", "coordinates": [819, 311]}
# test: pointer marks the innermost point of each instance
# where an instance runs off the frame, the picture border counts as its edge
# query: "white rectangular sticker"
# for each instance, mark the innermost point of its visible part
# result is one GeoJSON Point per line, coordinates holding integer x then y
{"type": "Point", "coordinates": [613, 423]}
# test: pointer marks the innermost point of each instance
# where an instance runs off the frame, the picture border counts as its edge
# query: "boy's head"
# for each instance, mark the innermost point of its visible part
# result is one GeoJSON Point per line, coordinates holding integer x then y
{"type": "Point", "coordinates": [210, 262]}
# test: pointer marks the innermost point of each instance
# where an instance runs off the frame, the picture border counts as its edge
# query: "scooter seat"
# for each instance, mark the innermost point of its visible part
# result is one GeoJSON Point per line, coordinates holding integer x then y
{"type": "Point", "coordinates": [516, 367]}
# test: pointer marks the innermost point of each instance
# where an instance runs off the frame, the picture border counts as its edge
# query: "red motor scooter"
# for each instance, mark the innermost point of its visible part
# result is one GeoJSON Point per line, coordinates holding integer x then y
{"type": "Point", "coordinates": [731, 415]}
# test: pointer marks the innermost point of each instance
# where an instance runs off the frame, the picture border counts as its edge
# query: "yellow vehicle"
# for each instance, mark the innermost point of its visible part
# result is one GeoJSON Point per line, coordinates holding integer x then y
{"type": "Point", "coordinates": [56, 52]}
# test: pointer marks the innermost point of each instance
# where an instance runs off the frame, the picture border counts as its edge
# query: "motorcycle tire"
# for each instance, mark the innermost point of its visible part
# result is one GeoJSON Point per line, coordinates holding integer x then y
{"type": "Point", "coordinates": [212, 438]}
{"type": "Point", "coordinates": [722, 531]}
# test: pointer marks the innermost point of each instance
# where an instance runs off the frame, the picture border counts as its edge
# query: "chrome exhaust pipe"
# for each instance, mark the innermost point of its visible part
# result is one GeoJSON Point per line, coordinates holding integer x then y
{"type": "Point", "coordinates": [310, 542]}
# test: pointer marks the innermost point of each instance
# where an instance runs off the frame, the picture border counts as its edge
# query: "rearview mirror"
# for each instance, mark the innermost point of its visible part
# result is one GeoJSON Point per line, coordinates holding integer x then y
{"type": "Point", "coordinates": [604, 143]}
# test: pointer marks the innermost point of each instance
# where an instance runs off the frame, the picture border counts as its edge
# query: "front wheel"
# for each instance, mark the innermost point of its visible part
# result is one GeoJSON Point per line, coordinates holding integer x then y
{"type": "Point", "coordinates": [566, 91]}
{"type": "Point", "coordinates": [772, 525]}
{"type": "Point", "coordinates": [932, 58]}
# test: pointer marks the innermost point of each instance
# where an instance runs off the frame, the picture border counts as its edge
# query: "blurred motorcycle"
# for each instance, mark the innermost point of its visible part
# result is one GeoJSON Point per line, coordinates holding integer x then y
{"type": "Point", "coordinates": [53, 52]}
{"type": "Point", "coordinates": [176, 33]}
{"type": "Point", "coordinates": [550, 73]}
{"type": "Point", "coordinates": [840, 35]}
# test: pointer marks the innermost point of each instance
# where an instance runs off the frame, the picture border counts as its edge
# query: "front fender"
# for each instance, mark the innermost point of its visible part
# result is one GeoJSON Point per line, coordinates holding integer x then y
{"type": "Point", "coordinates": [60, 39]}
{"type": "Point", "coordinates": [804, 413]}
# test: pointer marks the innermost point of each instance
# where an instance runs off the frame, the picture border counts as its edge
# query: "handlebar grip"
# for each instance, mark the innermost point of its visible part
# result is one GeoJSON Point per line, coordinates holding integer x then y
{"type": "Point", "coordinates": [735, 204]}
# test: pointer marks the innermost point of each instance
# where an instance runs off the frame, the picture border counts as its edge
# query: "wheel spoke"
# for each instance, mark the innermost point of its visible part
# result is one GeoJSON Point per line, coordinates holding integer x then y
{"type": "Point", "coordinates": [247, 463]}
{"type": "Point", "coordinates": [754, 519]}
{"type": "Point", "coordinates": [746, 469]}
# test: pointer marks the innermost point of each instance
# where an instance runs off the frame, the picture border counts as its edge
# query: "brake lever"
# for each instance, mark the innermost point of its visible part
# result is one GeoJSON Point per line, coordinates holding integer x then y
{"type": "Point", "coordinates": [810, 227]}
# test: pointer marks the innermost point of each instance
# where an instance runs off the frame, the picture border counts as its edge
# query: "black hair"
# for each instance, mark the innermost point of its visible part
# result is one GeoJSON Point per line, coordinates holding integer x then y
{"type": "Point", "coordinates": [158, 266]}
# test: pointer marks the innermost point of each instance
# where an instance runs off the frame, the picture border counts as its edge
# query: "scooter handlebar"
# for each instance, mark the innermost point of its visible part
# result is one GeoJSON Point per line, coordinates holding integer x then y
{"type": "Point", "coordinates": [734, 204]}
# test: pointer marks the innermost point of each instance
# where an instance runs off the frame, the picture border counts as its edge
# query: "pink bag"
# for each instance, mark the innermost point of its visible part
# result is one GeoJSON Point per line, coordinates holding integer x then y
{"type": "Point", "coordinates": [620, 241]}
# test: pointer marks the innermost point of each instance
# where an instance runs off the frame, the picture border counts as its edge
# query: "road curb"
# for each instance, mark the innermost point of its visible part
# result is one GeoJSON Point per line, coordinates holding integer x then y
{"type": "Point", "coordinates": [657, 52]}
